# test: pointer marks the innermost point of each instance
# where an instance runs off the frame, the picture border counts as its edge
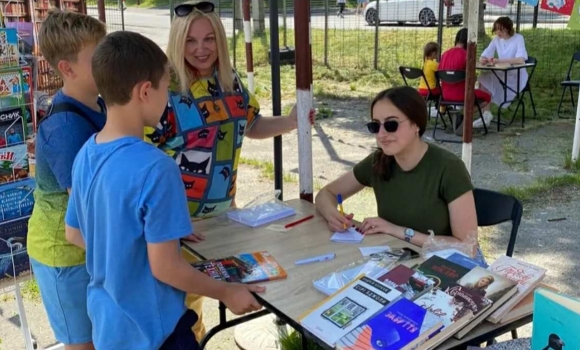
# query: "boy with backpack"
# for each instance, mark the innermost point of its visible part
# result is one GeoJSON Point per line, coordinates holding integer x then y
{"type": "Point", "coordinates": [67, 41]}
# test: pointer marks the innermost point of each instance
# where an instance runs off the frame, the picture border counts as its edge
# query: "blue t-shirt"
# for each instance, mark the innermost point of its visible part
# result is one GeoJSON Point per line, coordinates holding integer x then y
{"type": "Point", "coordinates": [59, 138]}
{"type": "Point", "coordinates": [14, 138]}
{"type": "Point", "coordinates": [126, 193]}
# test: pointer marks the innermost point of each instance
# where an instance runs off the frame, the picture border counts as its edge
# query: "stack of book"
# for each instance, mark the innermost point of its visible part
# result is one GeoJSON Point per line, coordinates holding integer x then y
{"type": "Point", "coordinates": [421, 307]}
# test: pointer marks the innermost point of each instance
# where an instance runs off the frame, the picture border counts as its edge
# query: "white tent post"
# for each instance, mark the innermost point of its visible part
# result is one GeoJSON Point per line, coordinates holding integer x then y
{"type": "Point", "coordinates": [576, 144]}
{"type": "Point", "coordinates": [472, 27]}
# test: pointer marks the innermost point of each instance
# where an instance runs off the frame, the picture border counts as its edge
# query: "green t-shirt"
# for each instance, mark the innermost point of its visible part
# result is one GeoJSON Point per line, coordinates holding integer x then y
{"type": "Point", "coordinates": [418, 198]}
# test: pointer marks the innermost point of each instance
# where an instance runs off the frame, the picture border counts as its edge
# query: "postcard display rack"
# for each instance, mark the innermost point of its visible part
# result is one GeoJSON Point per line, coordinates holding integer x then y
{"type": "Point", "coordinates": [17, 119]}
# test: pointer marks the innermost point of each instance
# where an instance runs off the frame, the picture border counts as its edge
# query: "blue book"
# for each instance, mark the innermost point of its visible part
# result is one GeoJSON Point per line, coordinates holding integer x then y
{"type": "Point", "coordinates": [16, 199]}
{"type": "Point", "coordinates": [14, 259]}
{"type": "Point", "coordinates": [465, 261]}
{"type": "Point", "coordinates": [556, 321]}
{"type": "Point", "coordinates": [402, 325]}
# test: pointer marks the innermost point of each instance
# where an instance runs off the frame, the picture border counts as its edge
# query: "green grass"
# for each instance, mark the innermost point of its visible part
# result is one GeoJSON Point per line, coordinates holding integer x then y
{"type": "Point", "coordinates": [30, 290]}
{"type": "Point", "coordinates": [267, 169]}
{"type": "Point", "coordinates": [542, 186]}
{"type": "Point", "coordinates": [293, 341]}
{"type": "Point", "coordinates": [569, 164]}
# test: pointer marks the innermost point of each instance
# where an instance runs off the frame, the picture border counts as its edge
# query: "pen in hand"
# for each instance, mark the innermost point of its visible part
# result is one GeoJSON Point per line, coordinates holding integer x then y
{"type": "Point", "coordinates": [339, 200]}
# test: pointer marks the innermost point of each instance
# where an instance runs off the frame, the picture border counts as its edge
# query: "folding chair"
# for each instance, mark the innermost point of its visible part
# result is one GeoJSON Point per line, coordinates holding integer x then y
{"type": "Point", "coordinates": [494, 208]}
{"type": "Point", "coordinates": [568, 83]}
{"type": "Point", "coordinates": [454, 77]}
{"type": "Point", "coordinates": [528, 89]}
{"type": "Point", "coordinates": [413, 73]}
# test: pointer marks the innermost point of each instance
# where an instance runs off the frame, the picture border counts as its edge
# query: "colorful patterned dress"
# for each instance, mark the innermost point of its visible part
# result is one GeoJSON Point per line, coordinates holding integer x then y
{"type": "Point", "coordinates": [203, 132]}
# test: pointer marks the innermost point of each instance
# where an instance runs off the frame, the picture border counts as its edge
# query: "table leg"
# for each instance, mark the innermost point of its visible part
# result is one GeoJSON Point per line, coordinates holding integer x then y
{"type": "Point", "coordinates": [23, 319]}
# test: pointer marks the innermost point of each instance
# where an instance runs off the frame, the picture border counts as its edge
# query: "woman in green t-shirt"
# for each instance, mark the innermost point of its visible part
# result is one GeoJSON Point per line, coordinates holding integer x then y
{"type": "Point", "coordinates": [419, 187]}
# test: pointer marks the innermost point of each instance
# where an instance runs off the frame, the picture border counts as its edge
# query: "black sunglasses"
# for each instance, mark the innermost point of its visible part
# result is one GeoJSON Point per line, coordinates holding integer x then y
{"type": "Point", "coordinates": [184, 10]}
{"type": "Point", "coordinates": [390, 126]}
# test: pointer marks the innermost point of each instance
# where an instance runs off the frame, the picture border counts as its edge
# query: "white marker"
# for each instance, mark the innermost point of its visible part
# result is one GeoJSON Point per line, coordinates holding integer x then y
{"type": "Point", "coordinates": [316, 259]}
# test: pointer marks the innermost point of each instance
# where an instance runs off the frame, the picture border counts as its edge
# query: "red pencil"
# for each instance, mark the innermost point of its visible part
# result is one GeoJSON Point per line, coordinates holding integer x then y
{"type": "Point", "coordinates": [298, 221]}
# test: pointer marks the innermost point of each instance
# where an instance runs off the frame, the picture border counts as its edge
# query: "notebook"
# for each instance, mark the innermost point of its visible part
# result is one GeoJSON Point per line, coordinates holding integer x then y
{"type": "Point", "coordinates": [349, 236]}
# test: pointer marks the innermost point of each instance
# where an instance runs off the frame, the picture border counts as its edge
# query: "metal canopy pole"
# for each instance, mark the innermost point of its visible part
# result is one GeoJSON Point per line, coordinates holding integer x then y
{"type": "Point", "coordinates": [248, 39]}
{"type": "Point", "coordinates": [276, 93]}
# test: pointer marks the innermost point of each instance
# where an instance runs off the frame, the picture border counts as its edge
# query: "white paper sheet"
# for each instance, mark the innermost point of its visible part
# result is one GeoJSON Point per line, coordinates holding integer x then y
{"type": "Point", "coordinates": [351, 235]}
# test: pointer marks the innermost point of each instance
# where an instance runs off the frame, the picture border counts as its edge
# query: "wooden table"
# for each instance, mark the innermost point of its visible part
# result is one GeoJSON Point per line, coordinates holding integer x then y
{"type": "Point", "coordinates": [289, 298]}
{"type": "Point", "coordinates": [505, 68]}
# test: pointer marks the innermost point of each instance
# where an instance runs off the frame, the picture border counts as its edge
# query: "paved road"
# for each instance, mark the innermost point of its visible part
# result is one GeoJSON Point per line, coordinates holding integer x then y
{"type": "Point", "coordinates": [154, 23]}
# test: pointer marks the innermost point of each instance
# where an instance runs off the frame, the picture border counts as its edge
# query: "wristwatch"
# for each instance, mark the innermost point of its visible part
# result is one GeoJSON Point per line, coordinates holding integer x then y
{"type": "Point", "coordinates": [409, 234]}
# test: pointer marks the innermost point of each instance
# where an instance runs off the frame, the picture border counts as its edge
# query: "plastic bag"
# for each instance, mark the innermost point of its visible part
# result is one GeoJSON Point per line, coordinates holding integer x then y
{"type": "Point", "coordinates": [261, 210]}
{"type": "Point", "coordinates": [443, 248]}
{"type": "Point", "coordinates": [372, 266]}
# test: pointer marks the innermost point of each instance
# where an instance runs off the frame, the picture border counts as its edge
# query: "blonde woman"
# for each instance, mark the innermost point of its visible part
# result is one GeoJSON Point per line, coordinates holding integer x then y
{"type": "Point", "coordinates": [210, 113]}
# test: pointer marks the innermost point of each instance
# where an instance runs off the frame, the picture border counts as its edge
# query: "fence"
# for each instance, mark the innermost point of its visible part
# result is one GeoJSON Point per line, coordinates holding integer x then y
{"type": "Point", "coordinates": [353, 41]}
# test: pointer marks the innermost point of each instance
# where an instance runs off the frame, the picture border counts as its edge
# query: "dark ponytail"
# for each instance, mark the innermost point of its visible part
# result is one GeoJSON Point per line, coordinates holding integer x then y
{"type": "Point", "coordinates": [413, 106]}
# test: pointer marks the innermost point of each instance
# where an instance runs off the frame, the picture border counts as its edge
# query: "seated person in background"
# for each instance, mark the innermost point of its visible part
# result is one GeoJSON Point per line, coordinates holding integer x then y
{"type": "Point", "coordinates": [430, 65]}
{"type": "Point", "coordinates": [456, 59]}
{"type": "Point", "coordinates": [510, 49]}
{"type": "Point", "coordinates": [418, 186]}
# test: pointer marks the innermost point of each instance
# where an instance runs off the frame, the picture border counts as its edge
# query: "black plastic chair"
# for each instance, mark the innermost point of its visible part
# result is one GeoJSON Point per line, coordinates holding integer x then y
{"type": "Point", "coordinates": [528, 89]}
{"type": "Point", "coordinates": [413, 73]}
{"type": "Point", "coordinates": [453, 77]}
{"type": "Point", "coordinates": [568, 83]}
{"type": "Point", "coordinates": [494, 208]}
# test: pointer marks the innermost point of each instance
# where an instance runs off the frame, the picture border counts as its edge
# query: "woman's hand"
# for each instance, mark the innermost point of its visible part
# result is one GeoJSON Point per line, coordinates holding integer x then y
{"type": "Point", "coordinates": [336, 220]}
{"type": "Point", "coordinates": [483, 60]}
{"type": "Point", "coordinates": [370, 226]}
{"type": "Point", "coordinates": [294, 116]}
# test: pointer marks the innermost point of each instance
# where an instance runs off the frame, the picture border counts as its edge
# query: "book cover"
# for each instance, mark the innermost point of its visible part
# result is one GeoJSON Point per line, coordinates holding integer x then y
{"type": "Point", "coordinates": [14, 259]}
{"type": "Point", "coordinates": [490, 285]}
{"type": "Point", "coordinates": [13, 163]}
{"type": "Point", "coordinates": [465, 261]}
{"type": "Point", "coordinates": [11, 89]}
{"type": "Point", "coordinates": [443, 272]}
{"type": "Point", "coordinates": [455, 312]}
{"type": "Point", "coordinates": [400, 326]}
{"type": "Point", "coordinates": [16, 199]}
{"type": "Point", "coordinates": [527, 277]}
{"type": "Point", "coordinates": [243, 268]}
{"type": "Point", "coordinates": [345, 310]}
{"type": "Point", "coordinates": [556, 320]}
{"type": "Point", "coordinates": [410, 282]}
{"type": "Point", "coordinates": [12, 126]}
{"type": "Point", "coordinates": [9, 54]}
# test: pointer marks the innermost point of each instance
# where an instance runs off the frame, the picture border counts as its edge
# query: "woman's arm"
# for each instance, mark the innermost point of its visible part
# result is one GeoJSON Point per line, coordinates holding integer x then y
{"type": "Point", "coordinates": [489, 51]}
{"type": "Point", "coordinates": [521, 53]}
{"type": "Point", "coordinates": [267, 127]}
{"type": "Point", "coordinates": [461, 215]}
{"type": "Point", "coordinates": [326, 203]}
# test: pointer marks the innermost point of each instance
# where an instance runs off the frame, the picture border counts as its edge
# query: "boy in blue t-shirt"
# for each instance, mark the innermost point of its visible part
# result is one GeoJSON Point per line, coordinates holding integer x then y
{"type": "Point", "coordinates": [129, 208]}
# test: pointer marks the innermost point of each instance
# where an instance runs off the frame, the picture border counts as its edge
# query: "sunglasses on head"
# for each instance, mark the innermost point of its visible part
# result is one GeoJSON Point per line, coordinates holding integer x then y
{"type": "Point", "coordinates": [184, 10]}
{"type": "Point", "coordinates": [390, 126]}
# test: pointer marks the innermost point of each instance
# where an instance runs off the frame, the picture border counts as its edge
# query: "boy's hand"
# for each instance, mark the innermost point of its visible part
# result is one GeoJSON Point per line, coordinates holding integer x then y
{"type": "Point", "coordinates": [239, 299]}
{"type": "Point", "coordinates": [194, 237]}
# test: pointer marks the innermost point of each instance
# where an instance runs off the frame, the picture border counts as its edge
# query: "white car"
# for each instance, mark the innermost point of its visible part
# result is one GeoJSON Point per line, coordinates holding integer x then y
{"type": "Point", "coordinates": [422, 11]}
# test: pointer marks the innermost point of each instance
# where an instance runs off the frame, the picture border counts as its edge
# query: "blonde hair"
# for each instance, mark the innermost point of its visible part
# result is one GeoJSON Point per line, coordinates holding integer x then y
{"type": "Point", "coordinates": [181, 69]}
{"type": "Point", "coordinates": [63, 35]}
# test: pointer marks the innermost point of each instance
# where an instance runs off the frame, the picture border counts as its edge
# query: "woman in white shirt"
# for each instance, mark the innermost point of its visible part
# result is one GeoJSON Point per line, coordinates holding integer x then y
{"type": "Point", "coordinates": [510, 49]}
